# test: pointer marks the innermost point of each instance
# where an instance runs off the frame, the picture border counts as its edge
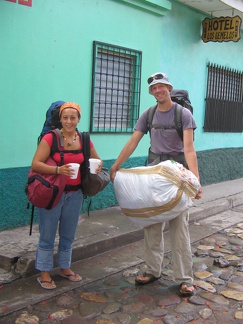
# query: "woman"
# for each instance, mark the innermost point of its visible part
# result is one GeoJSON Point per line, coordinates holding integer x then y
{"type": "Point", "coordinates": [66, 213]}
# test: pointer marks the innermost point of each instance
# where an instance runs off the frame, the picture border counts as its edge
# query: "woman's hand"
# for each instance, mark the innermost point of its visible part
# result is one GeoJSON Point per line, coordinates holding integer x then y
{"type": "Point", "coordinates": [99, 167]}
{"type": "Point", "coordinates": [94, 155]}
{"type": "Point", "coordinates": [66, 170]}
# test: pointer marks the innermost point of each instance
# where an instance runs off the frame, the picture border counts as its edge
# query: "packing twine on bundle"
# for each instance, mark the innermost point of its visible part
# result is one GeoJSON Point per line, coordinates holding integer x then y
{"type": "Point", "coordinates": [173, 177]}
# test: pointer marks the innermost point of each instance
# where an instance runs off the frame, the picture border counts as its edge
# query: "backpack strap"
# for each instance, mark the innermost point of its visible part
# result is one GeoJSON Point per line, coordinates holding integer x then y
{"type": "Point", "coordinates": [150, 117]}
{"type": "Point", "coordinates": [31, 217]}
{"type": "Point", "coordinates": [177, 118]}
{"type": "Point", "coordinates": [86, 148]}
{"type": "Point", "coordinates": [85, 165]}
{"type": "Point", "coordinates": [57, 147]}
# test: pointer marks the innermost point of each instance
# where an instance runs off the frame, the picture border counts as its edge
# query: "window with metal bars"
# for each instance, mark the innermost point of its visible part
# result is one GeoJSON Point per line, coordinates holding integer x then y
{"type": "Point", "coordinates": [224, 100]}
{"type": "Point", "coordinates": [115, 88]}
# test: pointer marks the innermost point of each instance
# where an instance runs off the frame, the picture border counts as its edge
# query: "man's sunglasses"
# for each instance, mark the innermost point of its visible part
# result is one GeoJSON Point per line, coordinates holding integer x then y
{"type": "Point", "coordinates": [158, 76]}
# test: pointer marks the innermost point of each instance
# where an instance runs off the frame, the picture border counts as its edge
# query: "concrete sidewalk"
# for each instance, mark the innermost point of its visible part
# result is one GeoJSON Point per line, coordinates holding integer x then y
{"type": "Point", "coordinates": [105, 230]}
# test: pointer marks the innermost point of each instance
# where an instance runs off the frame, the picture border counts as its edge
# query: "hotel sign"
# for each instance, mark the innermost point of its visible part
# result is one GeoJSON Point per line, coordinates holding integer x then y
{"type": "Point", "coordinates": [223, 29]}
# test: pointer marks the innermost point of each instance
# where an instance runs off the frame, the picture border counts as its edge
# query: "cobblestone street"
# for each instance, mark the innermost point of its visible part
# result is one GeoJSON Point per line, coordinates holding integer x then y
{"type": "Point", "coordinates": [218, 273]}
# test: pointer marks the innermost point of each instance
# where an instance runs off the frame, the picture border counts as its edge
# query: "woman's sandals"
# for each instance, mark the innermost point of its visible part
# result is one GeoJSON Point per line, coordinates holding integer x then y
{"type": "Point", "coordinates": [74, 277]}
{"type": "Point", "coordinates": [47, 284]}
{"type": "Point", "coordinates": [71, 276]}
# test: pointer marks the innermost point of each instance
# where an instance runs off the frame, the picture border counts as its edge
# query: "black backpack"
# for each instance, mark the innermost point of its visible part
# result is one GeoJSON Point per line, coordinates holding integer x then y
{"type": "Point", "coordinates": [181, 98]}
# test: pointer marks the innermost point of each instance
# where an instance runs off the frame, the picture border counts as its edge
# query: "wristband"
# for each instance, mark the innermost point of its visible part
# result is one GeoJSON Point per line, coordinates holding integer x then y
{"type": "Point", "coordinates": [56, 171]}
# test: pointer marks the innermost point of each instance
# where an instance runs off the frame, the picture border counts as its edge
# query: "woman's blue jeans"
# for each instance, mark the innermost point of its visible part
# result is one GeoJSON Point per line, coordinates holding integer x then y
{"type": "Point", "coordinates": [65, 215]}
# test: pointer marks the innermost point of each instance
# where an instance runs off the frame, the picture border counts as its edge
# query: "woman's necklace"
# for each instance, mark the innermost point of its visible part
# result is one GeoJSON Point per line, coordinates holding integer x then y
{"type": "Point", "coordinates": [68, 143]}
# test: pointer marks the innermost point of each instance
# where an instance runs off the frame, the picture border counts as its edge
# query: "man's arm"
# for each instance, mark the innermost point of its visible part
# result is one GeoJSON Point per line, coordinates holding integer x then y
{"type": "Point", "coordinates": [128, 149]}
{"type": "Point", "coordinates": [191, 156]}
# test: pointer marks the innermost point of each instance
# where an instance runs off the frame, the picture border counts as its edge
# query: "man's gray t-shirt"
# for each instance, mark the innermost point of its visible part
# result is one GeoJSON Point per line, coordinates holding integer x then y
{"type": "Point", "coordinates": [165, 141]}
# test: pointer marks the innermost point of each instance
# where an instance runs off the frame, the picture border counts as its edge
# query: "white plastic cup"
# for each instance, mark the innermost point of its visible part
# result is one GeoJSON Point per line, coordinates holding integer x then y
{"type": "Point", "coordinates": [93, 165]}
{"type": "Point", "coordinates": [75, 167]}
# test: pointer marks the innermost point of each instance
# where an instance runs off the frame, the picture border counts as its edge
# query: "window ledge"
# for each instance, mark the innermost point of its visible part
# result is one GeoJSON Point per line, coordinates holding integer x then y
{"type": "Point", "coordinates": [156, 7]}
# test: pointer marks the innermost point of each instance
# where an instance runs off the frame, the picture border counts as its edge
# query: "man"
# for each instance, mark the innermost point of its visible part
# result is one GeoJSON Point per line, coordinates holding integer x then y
{"type": "Point", "coordinates": [166, 143]}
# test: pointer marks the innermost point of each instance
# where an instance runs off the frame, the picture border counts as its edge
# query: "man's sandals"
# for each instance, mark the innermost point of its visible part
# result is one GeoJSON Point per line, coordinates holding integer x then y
{"type": "Point", "coordinates": [183, 290]}
{"type": "Point", "coordinates": [146, 278]}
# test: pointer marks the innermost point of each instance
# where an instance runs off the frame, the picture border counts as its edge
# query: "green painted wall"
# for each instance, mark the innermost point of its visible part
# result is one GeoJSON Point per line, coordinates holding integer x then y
{"type": "Point", "coordinates": [46, 55]}
{"type": "Point", "coordinates": [214, 166]}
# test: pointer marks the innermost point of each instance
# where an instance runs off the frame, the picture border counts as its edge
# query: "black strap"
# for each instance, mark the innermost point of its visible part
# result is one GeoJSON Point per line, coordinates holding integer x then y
{"type": "Point", "coordinates": [86, 147]}
{"type": "Point", "coordinates": [154, 158]}
{"type": "Point", "coordinates": [177, 119]}
{"type": "Point", "coordinates": [158, 126]}
{"type": "Point", "coordinates": [56, 146]}
{"type": "Point", "coordinates": [150, 117]}
{"type": "Point", "coordinates": [86, 151]}
{"type": "Point", "coordinates": [85, 165]}
{"type": "Point", "coordinates": [72, 188]}
{"type": "Point", "coordinates": [31, 217]}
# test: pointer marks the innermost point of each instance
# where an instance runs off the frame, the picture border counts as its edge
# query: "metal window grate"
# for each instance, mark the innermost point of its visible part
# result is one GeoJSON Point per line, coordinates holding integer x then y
{"type": "Point", "coordinates": [115, 88]}
{"type": "Point", "coordinates": [224, 100]}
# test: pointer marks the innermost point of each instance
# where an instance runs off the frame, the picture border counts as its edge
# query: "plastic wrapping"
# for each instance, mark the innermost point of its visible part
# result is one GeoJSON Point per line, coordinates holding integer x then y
{"type": "Point", "coordinates": [154, 194]}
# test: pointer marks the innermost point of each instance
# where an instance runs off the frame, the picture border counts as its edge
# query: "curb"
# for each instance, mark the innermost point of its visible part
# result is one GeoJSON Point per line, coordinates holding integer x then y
{"type": "Point", "coordinates": [103, 231]}
{"type": "Point", "coordinates": [108, 239]}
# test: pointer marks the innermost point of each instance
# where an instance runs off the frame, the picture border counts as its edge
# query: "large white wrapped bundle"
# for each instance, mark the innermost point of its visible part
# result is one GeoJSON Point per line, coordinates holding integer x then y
{"type": "Point", "coordinates": [154, 194]}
